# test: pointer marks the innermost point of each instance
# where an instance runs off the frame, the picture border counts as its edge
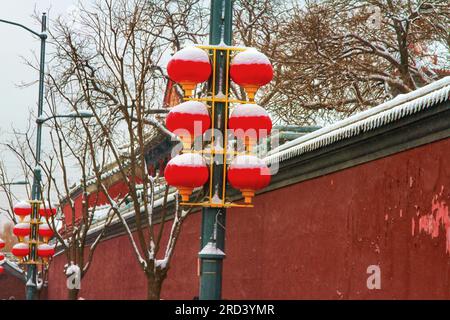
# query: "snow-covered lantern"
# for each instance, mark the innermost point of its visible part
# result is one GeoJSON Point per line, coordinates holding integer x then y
{"type": "Point", "coordinates": [22, 230]}
{"type": "Point", "coordinates": [47, 210]}
{"type": "Point", "coordinates": [250, 122]}
{"type": "Point", "coordinates": [2, 257]}
{"type": "Point", "coordinates": [248, 173]}
{"type": "Point", "coordinates": [251, 69]}
{"type": "Point", "coordinates": [22, 209]}
{"type": "Point", "coordinates": [2, 244]}
{"type": "Point", "coordinates": [189, 67]}
{"type": "Point", "coordinates": [45, 251]}
{"type": "Point", "coordinates": [186, 172]}
{"type": "Point", "coordinates": [21, 250]}
{"type": "Point", "coordinates": [45, 232]}
{"type": "Point", "coordinates": [188, 120]}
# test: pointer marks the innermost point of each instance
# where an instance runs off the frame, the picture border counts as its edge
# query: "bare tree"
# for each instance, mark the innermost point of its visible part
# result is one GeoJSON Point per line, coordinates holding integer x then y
{"type": "Point", "coordinates": [341, 56]}
{"type": "Point", "coordinates": [110, 62]}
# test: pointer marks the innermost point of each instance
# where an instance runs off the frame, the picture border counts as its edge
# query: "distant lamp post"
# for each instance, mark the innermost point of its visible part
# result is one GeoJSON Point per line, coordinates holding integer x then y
{"type": "Point", "coordinates": [35, 202]}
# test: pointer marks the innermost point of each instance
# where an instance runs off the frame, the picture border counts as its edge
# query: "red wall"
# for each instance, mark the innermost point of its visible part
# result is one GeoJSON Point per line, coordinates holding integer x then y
{"type": "Point", "coordinates": [314, 239]}
{"type": "Point", "coordinates": [11, 286]}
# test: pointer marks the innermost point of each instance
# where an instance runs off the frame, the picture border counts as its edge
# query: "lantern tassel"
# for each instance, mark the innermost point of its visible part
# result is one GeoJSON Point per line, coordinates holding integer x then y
{"type": "Point", "coordinates": [188, 88]}
{"type": "Point", "coordinates": [248, 194]}
{"type": "Point", "coordinates": [185, 193]}
{"type": "Point", "coordinates": [251, 91]}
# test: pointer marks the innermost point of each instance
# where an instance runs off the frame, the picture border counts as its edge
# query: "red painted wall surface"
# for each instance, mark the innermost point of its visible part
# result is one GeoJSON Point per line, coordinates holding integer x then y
{"type": "Point", "coordinates": [118, 189]}
{"type": "Point", "coordinates": [314, 239]}
{"type": "Point", "coordinates": [11, 286]}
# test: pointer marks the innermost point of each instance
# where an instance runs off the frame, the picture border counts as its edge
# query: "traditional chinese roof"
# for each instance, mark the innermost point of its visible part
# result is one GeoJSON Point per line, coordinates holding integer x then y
{"type": "Point", "coordinates": [401, 106]}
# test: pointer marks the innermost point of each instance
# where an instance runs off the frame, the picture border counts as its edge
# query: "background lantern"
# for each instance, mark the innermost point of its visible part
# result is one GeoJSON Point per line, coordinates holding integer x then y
{"type": "Point", "coordinates": [47, 210]}
{"type": "Point", "coordinates": [21, 250]}
{"type": "Point", "coordinates": [248, 174]}
{"type": "Point", "coordinates": [45, 251]}
{"type": "Point", "coordinates": [189, 67]}
{"type": "Point", "coordinates": [45, 232]}
{"type": "Point", "coordinates": [250, 122]}
{"type": "Point", "coordinates": [191, 119]}
{"type": "Point", "coordinates": [22, 230]}
{"type": "Point", "coordinates": [2, 270]}
{"type": "Point", "coordinates": [251, 69]}
{"type": "Point", "coordinates": [186, 172]}
{"type": "Point", "coordinates": [2, 244]}
{"type": "Point", "coordinates": [22, 209]}
{"type": "Point", "coordinates": [2, 256]}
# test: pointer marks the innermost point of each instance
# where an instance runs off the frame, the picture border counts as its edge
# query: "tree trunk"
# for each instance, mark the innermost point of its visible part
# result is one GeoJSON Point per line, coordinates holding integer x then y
{"type": "Point", "coordinates": [73, 294]}
{"type": "Point", "coordinates": [154, 285]}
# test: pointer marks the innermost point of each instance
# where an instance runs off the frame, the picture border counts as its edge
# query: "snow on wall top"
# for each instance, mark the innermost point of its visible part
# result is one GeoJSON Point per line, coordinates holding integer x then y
{"type": "Point", "coordinates": [191, 54]}
{"type": "Point", "coordinates": [401, 106]}
{"type": "Point", "coordinates": [249, 110]}
{"type": "Point", "coordinates": [250, 56]}
{"type": "Point", "coordinates": [190, 107]}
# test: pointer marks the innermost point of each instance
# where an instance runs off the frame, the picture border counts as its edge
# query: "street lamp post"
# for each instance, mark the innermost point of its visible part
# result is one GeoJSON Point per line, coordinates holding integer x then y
{"type": "Point", "coordinates": [31, 285]}
{"type": "Point", "coordinates": [213, 219]}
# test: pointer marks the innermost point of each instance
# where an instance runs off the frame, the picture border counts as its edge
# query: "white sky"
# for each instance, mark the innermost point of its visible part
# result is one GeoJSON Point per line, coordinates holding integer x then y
{"type": "Point", "coordinates": [16, 43]}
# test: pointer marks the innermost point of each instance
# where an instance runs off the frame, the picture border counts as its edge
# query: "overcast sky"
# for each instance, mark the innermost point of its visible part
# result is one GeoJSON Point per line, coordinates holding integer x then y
{"type": "Point", "coordinates": [16, 45]}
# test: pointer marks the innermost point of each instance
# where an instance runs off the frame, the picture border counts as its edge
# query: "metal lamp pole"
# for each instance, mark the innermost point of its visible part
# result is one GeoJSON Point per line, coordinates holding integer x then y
{"type": "Point", "coordinates": [213, 219]}
{"type": "Point", "coordinates": [31, 286]}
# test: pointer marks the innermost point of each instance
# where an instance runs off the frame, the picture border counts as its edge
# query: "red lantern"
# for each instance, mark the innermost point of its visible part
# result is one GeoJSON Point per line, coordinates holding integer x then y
{"type": "Point", "coordinates": [2, 244]}
{"type": "Point", "coordinates": [2, 270]}
{"type": "Point", "coordinates": [250, 122]}
{"type": "Point", "coordinates": [188, 120]}
{"type": "Point", "coordinates": [188, 67]}
{"type": "Point", "coordinates": [45, 251]}
{"type": "Point", "coordinates": [186, 172]}
{"type": "Point", "coordinates": [2, 256]}
{"type": "Point", "coordinates": [21, 250]}
{"type": "Point", "coordinates": [22, 230]}
{"type": "Point", "coordinates": [248, 174]}
{"type": "Point", "coordinates": [45, 232]}
{"type": "Point", "coordinates": [251, 69]}
{"type": "Point", "coordinates": [47, 210]}
{"type": "Point", "coordinates": [22, 209]}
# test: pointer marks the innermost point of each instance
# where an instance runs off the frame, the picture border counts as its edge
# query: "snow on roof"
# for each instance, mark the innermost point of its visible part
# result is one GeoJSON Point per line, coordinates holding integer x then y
{"type": "Point", "coordinates": [401, 106]}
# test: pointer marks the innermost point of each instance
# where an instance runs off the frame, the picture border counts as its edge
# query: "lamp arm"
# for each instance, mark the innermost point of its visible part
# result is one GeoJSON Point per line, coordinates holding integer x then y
{"type": "Point", "coordinates": [40, 35]}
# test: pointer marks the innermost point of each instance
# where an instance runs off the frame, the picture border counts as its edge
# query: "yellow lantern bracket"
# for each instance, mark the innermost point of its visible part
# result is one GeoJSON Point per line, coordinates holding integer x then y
{"type": "Point", "coordinates": [212, 151]}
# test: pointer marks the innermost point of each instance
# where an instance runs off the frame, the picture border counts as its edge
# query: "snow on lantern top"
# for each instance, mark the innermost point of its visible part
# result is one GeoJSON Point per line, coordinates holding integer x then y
{"type": "Point", "coordinates": [186, 172]}
{"type": "Point", "coordinates": [20, 249]}
{"type": "Point", "coordinates": [188, 120]}
{"type": "Point", "coordinates": [188, 160]}
{"type": "Point", "coordinates": [248, 174]}
{"type": "Point", "coordinates": [250, 121]}
{"type": "Point", "coordinates": [22, 209]}
{"type": "Point", "coordinates": [188, 67]}
{"type": "Point", "coordinates": [251, 69]}
{"type": "Point", "coordinates": [47, 209]}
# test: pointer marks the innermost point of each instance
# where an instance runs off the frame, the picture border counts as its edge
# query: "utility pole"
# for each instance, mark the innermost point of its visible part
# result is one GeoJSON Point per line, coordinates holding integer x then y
{"type": "Point", "coordinates": [213, 219]}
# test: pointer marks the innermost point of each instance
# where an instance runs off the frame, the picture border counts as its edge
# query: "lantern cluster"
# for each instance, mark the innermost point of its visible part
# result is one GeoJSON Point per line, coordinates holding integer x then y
{"type": "Point", "coordinates": [23, 231]}
{"type": "Point", "coordinates": [2, 256]}
{"type": "Point", "coordinates": [189, 120]}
